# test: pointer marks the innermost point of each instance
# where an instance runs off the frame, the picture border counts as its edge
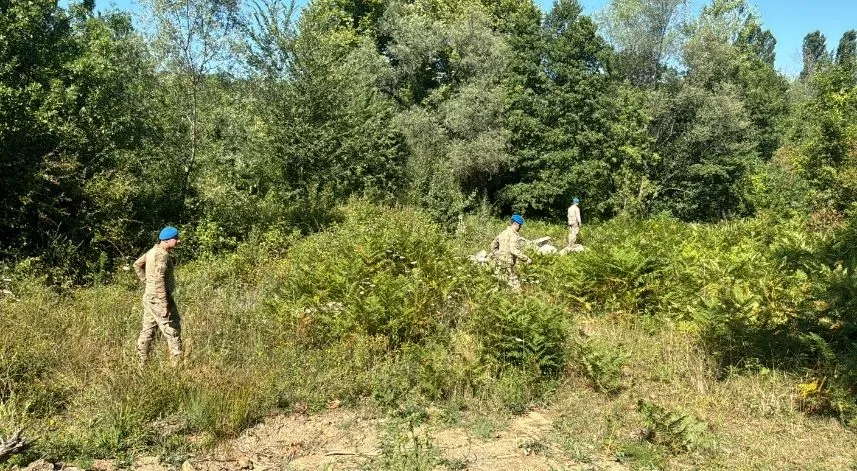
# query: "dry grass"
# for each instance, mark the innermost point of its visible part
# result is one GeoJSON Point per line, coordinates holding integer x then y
{"type": "Point", "coordinates": [69, 371]}
{"type": "Point", "coordinates": [754, 419]}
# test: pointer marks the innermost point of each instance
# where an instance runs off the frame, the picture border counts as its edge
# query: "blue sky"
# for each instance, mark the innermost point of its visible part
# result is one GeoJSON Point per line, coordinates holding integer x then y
{"type": "Point", "coordinates": [788, 20]}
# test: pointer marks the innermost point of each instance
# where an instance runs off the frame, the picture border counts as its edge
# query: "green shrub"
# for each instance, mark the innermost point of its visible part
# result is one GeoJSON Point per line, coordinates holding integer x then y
{"type": "Point", "coordinates": [523, 332]}
{"type": "Point", "coordinates": [382, 272]}
{"type": "Point", "coordinates": [677, 431]}
{"type": "Point", "coordinates": [403, 449]}
{"type": "Point", "coordinates": [641, 455]}
{"type": "Point", "coordinates": [514, 390]}
{"type": "Point", "coordinates": [600, 363]}
{"type": "Point", "coordinates": [752, 321]}
{"type": "Point", "coordinates": [784, 298]}
{"type": "Point", "coordinates": [448, 368]}
{"type": "Point", "coordinates": [622, 277]}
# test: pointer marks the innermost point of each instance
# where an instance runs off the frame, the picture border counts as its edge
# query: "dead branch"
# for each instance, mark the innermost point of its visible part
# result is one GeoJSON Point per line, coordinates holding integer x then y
{"type": "Point", "coordinates": [12, 445]}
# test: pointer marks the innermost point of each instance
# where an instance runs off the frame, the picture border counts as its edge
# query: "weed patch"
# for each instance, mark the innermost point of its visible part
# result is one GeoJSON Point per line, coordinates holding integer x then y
{"type": "Point", "coordinates": [383, 309]}
{"type": "Point", "coordinates": [600, 363]}
{"type": "Point", "coordinates": [677, 431]}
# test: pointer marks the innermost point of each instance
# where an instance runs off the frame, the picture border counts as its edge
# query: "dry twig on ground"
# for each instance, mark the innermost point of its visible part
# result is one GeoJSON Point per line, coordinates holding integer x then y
{"type": "Point", "coordinates": [12, 445]}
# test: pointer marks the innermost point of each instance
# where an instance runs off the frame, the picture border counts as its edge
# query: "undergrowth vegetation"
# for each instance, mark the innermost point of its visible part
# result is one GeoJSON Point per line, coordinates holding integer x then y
{"type": "Point", "coordinates": [384, 309]}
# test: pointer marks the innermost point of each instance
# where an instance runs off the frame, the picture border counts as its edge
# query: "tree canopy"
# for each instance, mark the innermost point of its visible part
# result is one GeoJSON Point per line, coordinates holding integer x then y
{"type": "Point", "coordinates": [233, 117]}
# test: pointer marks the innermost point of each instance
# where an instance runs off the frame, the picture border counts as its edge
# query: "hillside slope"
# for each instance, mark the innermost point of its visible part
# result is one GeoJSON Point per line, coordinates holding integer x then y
{"type": "Point", "coordinates": [663, 345]}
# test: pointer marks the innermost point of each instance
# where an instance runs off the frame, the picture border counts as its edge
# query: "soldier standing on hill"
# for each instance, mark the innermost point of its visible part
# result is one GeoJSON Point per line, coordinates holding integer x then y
{"type": "Point", "coordinates": [508, 248]}
{"type": "Point", "coordinates": [573, 221]}
{"type": "Point", "coordinates": [155, 269]}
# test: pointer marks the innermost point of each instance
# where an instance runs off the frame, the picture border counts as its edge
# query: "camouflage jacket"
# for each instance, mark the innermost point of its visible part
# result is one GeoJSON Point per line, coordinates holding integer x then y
{"type": "Point", "coordinates": [574, 215]}
{"type": "Point", "coordinates": [508, 247]}
{"type": "Point", "coordinates": [156, 270]}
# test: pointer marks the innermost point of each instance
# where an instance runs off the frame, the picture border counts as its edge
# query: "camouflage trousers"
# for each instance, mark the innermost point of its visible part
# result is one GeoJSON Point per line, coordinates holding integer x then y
{"type": "Point", "coordinates": [572, 235]}
{"type": "Point", "coordinates": [169, 326]}
{"type": "Point", "coordinates": [505, 273]}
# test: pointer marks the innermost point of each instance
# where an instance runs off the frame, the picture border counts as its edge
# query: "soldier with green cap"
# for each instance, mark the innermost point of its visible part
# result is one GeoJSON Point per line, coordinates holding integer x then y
{"type": "Point", "coordinates": [573, 221]}
{"type": "Point", "coordinates": [156, 270]}
{"type": "Point", "coordinates": [507, 249]}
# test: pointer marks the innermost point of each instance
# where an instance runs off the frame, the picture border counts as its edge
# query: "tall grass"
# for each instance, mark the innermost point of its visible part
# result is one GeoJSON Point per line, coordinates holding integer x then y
{"type": "Point", "coordinates": [384, 307]}
{"type": "Point", "coordinates": [381, 307]}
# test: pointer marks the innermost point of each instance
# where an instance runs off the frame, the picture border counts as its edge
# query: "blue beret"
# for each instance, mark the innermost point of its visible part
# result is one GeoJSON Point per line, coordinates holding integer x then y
{"type": "Point", "coordinates": [168, 233]}
{"type": "Point", "coordinates": [518, 218]}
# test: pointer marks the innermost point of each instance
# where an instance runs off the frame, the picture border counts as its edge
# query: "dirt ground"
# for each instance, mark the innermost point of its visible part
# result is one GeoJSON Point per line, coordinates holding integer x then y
{"type": "Point", "coordinates": [343, 440]}
{"type": "Point", "coordinates": [346, 440]}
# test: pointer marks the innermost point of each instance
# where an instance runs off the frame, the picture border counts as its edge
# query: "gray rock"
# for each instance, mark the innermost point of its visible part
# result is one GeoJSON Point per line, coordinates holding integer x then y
{"type": "Point", "coordinates": [573, 248]}
{"type": "Point", "coordinates": [547, 249]}
{"type": "Point", "coordinates": [480, 257]}
{"type": "Point", "coordinates": [540, 241]}
{"type": "Point", "coordinates": [40, 465]}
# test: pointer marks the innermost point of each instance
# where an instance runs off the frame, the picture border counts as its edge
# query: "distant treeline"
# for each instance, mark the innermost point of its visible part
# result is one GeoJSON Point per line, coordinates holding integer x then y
{"type": "Point", "coordinates": [232, 117]}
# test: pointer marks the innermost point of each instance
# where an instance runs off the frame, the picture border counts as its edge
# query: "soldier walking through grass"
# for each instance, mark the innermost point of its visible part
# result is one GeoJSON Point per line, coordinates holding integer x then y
{"type": "Point", "coordinates": [507, 249]}
{"type": "Point", "coordinates": [573, 221]}
{"type": "Point", "coordinates": [156, 270]}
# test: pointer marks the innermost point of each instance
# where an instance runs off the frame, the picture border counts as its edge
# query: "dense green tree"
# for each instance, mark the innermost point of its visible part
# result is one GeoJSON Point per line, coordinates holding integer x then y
{"type": "Point", "coordinates": [758, 43]}
{"type": "Point", "coordinates": [74, 104]}
{"type": "Point", "coordinates": [574, 136]}
{"type": "Point", "coordinates": [116, 135]}
{"type": "Point", "coordinates": [815, 54]}
{"type": "Point", "coordinates": [829, 137]}
{"type": "Point", "coordinates": [846, 52]}
{"type": "Point", "coordinates": [268, 39]}
{"type": "Point", "coordinates": [445, 70]}
{"type": "Point", "coordinates": [646, 35]}
{"type": "Point", "coordinates": [193, 41]}
{"type": "Point", "coordinates": [847, 47]}
{"type": "Point", "coordinates": [36, 44]}
{"type": "Point", "coordinates": [716, 124]}
{"type": "Point", "coordinates": [326, 123]}
{"type": "Point", "coordinates": [763, 89]}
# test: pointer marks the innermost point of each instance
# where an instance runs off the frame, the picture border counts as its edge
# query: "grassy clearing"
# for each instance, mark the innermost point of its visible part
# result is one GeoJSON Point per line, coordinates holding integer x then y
{"type": "Point", "coordinates": [664, 344]}
{"type": "Point", "coordinates": [752, 420]}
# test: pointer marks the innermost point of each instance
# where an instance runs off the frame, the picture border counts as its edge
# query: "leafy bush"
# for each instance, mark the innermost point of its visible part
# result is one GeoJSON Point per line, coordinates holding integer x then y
{"type": "Point", "coordinates": [382, 272]}
{"type": "Point", "coordinates": [641, 455]}
{"type": "Point", "coordinates": [676, 430]}
{"type": "Point", "coordinates": [514, 390]}
{"type": "Point", "coordinates": [523, 332]}
{"type": "Point", "coordinates": [622, 277]}
{"type": "Point", "coordinates": [600, 363]}
{"type": "Point", "coordinates": [403, 449]}
{"type": "Point", "coordinates": [753, 320]}
{"type": "Point", "coordinates": [792, 308]}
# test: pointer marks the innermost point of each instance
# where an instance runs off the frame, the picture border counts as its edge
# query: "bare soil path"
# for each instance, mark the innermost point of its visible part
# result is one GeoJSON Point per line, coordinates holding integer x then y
{"type": "Point", "coordinates": [342, 439]}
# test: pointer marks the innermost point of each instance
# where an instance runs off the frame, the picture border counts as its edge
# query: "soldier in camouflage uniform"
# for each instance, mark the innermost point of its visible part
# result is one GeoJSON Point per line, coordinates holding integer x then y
{"type": "Point", "coordinates": [573, 221]}
{"type": "Point", "coordinates": [507, 249]}
{"type": "Point", "coordinates": [155, 269]}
